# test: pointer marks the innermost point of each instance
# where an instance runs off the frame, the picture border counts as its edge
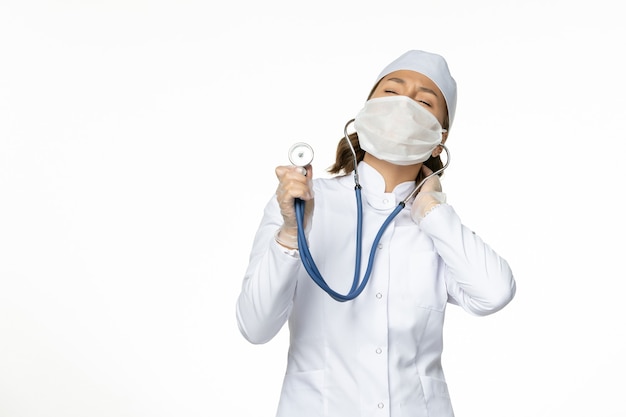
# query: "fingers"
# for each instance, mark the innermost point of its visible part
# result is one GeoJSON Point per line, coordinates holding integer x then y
{"type": "Point", "coordinates": [295, 182]}
{"type": "Point", "coordinates": [287, 169]}
{"type": "Point", "coordinates": [433, 183]}
{"type": "Point", "coordinates": [292, 184]}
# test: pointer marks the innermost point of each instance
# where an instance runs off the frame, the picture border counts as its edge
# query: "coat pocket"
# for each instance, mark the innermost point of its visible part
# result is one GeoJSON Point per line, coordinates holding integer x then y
{"type": "Point", "coordinates": [437, 397]}
{"type": "Point", "coordinates": [302, 394]}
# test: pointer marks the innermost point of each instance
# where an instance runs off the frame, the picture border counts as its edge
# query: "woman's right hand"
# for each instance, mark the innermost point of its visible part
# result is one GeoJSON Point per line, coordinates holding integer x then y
{"type": "Point", "coordinates": [293, 182]}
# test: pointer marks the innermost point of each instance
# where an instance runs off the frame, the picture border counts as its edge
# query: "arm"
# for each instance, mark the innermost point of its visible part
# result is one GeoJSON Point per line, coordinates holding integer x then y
{"type": "Point", "coordinates": [270, 281]}
{"type": "Point", "coordinates": [478, 279]}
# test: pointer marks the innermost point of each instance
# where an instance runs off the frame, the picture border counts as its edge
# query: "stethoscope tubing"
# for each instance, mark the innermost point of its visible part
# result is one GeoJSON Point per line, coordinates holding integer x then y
{"type": "Point", "coordinates": [311, 267]}
{"type": "Point", "coordinates": [303, 246]}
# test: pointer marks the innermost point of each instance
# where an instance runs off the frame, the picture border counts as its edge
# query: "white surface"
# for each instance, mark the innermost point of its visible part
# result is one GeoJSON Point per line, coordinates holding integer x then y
{"type": "Point", "coordinates": [137, 146]}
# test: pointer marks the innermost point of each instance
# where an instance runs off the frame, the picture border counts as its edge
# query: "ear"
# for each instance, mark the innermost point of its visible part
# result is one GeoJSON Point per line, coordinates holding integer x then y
{"type": "Point", "coordinates": [439, 149]}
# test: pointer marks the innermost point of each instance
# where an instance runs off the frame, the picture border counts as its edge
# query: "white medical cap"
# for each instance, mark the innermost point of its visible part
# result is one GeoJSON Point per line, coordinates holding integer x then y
{"type": "Point", "coordinates": [431, 65]}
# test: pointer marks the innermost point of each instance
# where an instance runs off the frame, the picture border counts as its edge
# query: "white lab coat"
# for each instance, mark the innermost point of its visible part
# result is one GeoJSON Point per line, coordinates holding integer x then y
{"type": "Point", "coordinates": [379, 354]}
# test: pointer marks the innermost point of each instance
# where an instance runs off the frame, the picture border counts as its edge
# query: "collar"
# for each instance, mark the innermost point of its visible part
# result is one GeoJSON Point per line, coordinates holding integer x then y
{"type": "Point", "coordinates": [373, 188]}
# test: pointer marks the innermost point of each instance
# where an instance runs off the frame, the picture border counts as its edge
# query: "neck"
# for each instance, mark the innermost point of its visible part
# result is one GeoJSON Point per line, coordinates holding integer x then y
{"type": "Point", "coordinates": [393, 174]}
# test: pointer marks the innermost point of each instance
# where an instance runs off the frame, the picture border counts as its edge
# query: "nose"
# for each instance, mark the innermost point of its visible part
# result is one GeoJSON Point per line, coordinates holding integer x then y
{"type": "Point", "coordinates": [410, 92]}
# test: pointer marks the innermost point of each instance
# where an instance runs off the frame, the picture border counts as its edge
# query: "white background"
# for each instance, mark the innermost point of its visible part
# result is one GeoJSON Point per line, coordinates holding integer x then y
{"type": "Point", "coordinates": [137, 146]}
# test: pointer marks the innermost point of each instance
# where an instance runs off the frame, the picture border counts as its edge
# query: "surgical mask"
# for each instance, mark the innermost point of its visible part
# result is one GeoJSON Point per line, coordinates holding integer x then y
{"type": "Point", "coordinates": [397, 129]}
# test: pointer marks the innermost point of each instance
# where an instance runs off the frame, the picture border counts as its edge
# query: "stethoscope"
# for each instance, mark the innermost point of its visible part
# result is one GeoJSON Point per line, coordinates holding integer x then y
{"type": "Point", "coordinates": [301, 154]}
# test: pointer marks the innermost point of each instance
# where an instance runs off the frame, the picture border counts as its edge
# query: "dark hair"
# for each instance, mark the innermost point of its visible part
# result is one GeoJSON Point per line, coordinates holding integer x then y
{"type": "Point", "coordinates": [344, 159]}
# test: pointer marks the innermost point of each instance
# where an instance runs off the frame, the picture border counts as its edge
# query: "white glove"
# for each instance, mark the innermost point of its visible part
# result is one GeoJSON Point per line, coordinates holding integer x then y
{"type": "Point", "coordinates": [293, 182]}
{"type": "Point", "coordinates": [429, 197]}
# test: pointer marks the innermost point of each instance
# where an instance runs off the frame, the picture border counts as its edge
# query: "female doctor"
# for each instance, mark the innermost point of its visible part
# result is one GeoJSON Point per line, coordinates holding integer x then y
{"type": "Point", "coordinates": [379, 353]}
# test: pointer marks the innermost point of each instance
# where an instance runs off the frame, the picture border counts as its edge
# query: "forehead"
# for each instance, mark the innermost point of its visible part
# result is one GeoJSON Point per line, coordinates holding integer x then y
{"type": "Point", "coordinates": [413, 79]}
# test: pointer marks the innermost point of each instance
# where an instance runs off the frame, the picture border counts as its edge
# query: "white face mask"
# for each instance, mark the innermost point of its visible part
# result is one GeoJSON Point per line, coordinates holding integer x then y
{"type": "Point", "coordinates": [397, 129]}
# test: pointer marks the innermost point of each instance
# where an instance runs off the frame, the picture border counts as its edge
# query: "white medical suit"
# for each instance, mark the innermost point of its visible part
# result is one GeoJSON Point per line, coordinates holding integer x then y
{"type": "Point", "coordinates": [379, 354]}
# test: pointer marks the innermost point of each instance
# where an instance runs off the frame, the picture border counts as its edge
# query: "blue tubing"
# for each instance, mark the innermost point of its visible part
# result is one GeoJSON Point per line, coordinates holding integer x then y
{"type": "Point", "coordinates": [311, 268]}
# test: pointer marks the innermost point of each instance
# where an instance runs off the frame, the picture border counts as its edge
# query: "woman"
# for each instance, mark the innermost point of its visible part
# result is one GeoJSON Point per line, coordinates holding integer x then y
{"type": "Point", "coordinates": [379, 353]}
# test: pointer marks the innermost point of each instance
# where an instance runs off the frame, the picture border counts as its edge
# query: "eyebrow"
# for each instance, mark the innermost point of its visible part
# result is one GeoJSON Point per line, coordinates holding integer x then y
{"type": "Point", "coordinates": [423, 89]}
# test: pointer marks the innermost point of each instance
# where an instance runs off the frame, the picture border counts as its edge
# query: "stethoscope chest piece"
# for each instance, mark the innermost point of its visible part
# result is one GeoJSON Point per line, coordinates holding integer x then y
{"type": "Point", "coordinates": [300, 154]}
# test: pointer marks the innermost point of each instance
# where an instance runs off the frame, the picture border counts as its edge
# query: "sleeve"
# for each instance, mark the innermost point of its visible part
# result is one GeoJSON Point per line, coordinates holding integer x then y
{"type": "Point", "coordinates": [477, 278]}
{"type": "Point", "coordinates": [269, 283]}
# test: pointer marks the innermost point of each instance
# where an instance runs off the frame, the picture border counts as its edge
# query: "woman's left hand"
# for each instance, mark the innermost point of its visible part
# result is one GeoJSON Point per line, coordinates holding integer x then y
{"type": "Point", "coordinates": [433, 184]}
{"type": "Point", "coordinates": [429, 197]}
